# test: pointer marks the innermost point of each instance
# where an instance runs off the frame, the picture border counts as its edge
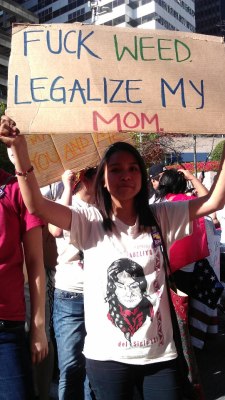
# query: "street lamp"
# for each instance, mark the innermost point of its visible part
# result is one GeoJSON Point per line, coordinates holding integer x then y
{"type": "Point", "coordinates": [93, 5]}
{"type": "Point", "coordinates": [96, 9]}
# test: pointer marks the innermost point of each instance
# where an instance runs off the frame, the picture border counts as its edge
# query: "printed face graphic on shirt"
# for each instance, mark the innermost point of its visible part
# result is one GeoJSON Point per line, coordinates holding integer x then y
{"type": "Point", "coordinates": [128, 302]}
{"type": "Point", "coordinates": [128, 290]}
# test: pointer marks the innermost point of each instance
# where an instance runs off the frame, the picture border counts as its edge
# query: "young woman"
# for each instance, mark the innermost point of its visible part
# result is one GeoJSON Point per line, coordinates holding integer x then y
{"type": "Point", "coordinates": [121, 226]}
{"type": "Point", "coordinates": [194, 258]}
{"type": "Point", "coordinates": [68, 304]}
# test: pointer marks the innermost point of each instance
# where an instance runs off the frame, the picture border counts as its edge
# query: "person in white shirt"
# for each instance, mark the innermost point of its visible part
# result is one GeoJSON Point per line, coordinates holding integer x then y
{"type": "Point", "coordinates": [122, 226]}
{"type": "Point", "coordinates": [68, 305]}
{"type": "Point", "coordinates": [155, 173]}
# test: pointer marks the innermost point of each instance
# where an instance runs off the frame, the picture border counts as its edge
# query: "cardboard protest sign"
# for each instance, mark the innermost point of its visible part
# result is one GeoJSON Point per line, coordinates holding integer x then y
{"type": "Point", "coordinates": [51, 155]}
{"type": "Point", "coordinates": [88, 80]}
{"type": "Point", "coordinates": [73, 78]}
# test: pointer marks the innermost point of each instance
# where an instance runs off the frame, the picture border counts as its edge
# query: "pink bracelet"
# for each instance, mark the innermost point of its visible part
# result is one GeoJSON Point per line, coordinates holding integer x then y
{"type": "Point", "coordinates": [24, 174]}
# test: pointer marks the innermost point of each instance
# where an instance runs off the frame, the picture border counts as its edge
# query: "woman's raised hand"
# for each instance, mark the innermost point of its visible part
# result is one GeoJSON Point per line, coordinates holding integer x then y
{"type": "Point", "coordinates": [68, 178]}
{"type": "Point", "coordinates": [8, 131]}
{"type": "Point", "coordinates": [187, 174]}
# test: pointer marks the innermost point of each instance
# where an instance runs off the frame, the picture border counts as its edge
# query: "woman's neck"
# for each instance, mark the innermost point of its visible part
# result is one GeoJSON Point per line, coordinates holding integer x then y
{"type": "Point", "coordinates": [126, 213]}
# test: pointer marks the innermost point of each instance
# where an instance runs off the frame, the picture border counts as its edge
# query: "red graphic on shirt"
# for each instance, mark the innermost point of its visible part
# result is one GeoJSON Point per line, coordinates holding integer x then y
{"type": "Point", "coordinates": [157, 289]}
{"type": "Point", "coordinates": [129, 305]}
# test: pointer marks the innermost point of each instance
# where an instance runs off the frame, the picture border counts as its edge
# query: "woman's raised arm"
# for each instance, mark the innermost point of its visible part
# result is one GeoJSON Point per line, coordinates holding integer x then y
{"type": "Point", "coordinates": [215, 199]}
{"type": "Point", "coordinates": [196, 183]}
{"type": "Point", "coordinates": [52, 212]}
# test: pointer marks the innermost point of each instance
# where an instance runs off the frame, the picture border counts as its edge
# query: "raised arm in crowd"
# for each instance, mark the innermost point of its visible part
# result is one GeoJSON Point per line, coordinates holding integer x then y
{"type": "Point", "coordinates": [59, 215]}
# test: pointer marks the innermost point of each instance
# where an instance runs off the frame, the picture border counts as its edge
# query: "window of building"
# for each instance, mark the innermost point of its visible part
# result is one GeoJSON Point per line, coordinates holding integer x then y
{"type": "Point", "coordinates": [133, 4]}
{"type": "Point", "coordinates": [76, 14]}
{"type": "Point", "coordinates": [165, 23]}
{"type": "Point", "coordinates": [143, 2]}
{"type": "Point", "coordinates": [133, 23]}
{"type": "Point", "coordinates": [119, 20]}
{"type": "Point", "coordinates": [175, 14]}
{"type": "Point", "coordinates": [44, 3]}
{"type": "Point", "coordinates": [108, 23]}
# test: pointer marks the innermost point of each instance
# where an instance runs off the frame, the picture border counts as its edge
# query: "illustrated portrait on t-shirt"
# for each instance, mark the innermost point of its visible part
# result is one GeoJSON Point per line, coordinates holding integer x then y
{"type": "Point", "coordinates": [129, 305]}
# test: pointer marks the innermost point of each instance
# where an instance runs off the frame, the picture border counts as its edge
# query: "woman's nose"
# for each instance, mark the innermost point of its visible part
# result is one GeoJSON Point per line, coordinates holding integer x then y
{"type": "Point", "coordinates": [126, 176]}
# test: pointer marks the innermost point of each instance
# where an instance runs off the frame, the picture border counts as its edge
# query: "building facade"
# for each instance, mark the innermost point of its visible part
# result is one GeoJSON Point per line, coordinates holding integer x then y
{"type": "Point", "coordinates": [158, 14]}
{"type": "Point", "coordinates": [152, 14]}
{"type": "Point", "coordinates": [210, 17]}
{"type": "Point", "coordinates": [10, 11]}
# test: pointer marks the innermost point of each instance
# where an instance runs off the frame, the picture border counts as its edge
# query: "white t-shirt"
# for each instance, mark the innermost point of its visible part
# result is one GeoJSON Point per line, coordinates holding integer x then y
{"type": "Point", "coordinates": [53, 191]}
{"type": "Point", "coordinates": [153, 199]}
{"type": "Point", "coordinates": [69, 275]}
{"type": "Point", "coordinates": [127, 315]}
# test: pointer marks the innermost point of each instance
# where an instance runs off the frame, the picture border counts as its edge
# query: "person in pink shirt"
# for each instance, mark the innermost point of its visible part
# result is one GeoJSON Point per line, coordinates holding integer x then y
{"type": "Point", "coordinates": [20, 239]}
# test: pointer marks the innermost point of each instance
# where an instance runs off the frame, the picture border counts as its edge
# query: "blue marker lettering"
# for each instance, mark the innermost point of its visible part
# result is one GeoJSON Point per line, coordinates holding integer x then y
{"type": "Point", "coordinates": [128, 89]}
{"type": "Point", "coordinates": [59, 50]}
{"type": "Point", "coordinates": [81, 44]}
{"type": "Point", "coordinates": [89, 92]}
{"type": "Point", "coordinates": [25, 40]}
{"type": "Point", "coordinates": [16, 101]}
{"type": "Point", "coordinates": [65, 42]}
{"type": "Point", "coordinates": [58, 89]}
{"type": "Point", "coordinates": [77, 87]}
{"type": "Point", "coordinates": [201, 93]}
{"type": "Point", "coordinates": [33, 88]}
{"type": "Point", "coordinates": [180, 84]}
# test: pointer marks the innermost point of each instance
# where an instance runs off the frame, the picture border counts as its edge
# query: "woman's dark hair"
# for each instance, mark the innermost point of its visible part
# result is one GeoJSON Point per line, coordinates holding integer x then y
{"type": "Point", "coordinates": [88, 173]}
{"type": "Point", "coordinates": [172, 181]}
{"type": "Point", "coordinates": [103, 198]}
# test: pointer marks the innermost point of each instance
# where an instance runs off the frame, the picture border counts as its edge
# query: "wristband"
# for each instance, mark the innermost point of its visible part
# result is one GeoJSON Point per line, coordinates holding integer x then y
{"type": "Point", "coordinates": [25, 174]}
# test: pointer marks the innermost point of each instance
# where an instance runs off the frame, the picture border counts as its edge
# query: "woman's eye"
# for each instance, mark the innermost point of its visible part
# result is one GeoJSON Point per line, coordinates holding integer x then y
{"type": "Point", "coordinates": [134, 169]}
{"type": "Point", "coordinates": [115, 170]}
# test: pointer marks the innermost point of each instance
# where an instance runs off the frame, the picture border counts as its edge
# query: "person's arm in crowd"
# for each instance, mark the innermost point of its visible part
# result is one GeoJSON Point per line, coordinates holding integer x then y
{"type": "Point", "coordinates": [33, 252]}
{"type": "Point", "coordinates": [60, 215]}
{"type": "Point", "coordinates": [215, 199]}
{"type": "Point", "coordinates": [50, 211]}
{"type": "Point", "coordinates": [200, 190]}
{"type": "Point", "coordinates": [196, 183]}
{"type": "Point", "coordinates": [66, 199]}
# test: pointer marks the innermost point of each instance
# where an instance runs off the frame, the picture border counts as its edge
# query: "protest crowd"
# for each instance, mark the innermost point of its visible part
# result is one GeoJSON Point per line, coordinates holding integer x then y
{"type": "Point", "coordinates": [88, 287]}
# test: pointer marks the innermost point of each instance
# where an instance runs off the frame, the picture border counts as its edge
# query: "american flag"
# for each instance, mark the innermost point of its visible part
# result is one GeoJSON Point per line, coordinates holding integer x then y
{"type": "Point", "coordinates": [206, 286]}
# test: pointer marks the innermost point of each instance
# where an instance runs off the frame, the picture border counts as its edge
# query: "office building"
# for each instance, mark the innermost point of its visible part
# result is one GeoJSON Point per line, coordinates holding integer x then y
{"type": "Point", "coordinates": [10, 11]}
{"type": "Point", "coordinates": [210, 17]}
{"type": "Point", "coordinates": [158, 14]}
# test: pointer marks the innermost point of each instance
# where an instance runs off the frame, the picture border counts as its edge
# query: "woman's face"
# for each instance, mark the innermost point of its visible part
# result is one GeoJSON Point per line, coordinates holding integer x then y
{"type": "Point", "coordinates": [123, 176]}
{"type": "Point", "coordinates": [155, 181]}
